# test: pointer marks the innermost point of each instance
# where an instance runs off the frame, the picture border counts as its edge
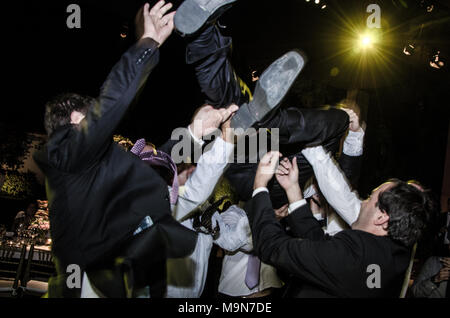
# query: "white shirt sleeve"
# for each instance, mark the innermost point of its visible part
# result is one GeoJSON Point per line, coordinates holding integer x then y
{"type": "Point", "coordinates": [294, 206]}
{"type": "Point", "coordinates": [259, 190]}
{"type": "Point", "coordinates": [198, 141]}
{"type": "Point", "coordinates": [333, 184]}
{"type": "Point", "coordinates": [202, 182]}
{"type": "Point", "coordinates": [353, 143]}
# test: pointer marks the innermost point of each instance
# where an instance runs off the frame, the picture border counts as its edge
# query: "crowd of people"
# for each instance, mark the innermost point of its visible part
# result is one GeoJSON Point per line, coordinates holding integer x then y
{"type": "Point", "coordinates": [142, 222]}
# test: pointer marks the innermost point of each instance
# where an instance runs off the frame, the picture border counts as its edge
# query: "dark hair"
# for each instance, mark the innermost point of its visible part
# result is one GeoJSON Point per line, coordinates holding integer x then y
{"type": "Point", "coordinates": [409, 209]}
{"type": "Point", "coordinates": [59, 109]}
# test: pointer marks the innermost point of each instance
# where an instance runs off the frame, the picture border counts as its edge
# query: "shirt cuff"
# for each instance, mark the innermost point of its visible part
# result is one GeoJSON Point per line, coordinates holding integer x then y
{"type": "Point", "coordinates": [198, 141]}
{"type": "Point", "coordinates": [259, 190]}
{"type": "Point", "coordinates": [294, 206]}
{"type": "Point", "coordinates": [353, 144]}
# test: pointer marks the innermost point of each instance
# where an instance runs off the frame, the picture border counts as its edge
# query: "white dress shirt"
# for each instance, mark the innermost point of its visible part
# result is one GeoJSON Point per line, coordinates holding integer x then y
{"type": "Point", "coordinates": [186, 277]}
{"type": "Point", "coordinates": [236, 239]}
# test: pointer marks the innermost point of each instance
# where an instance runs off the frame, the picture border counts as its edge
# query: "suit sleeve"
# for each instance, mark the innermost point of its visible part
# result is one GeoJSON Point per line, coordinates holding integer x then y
{"type": "Point", "coordinates": [118, 91]}
{"type": "Point", "coordinates": [304, 225]}
{"type": "Point", "coordinates": [316, 262]}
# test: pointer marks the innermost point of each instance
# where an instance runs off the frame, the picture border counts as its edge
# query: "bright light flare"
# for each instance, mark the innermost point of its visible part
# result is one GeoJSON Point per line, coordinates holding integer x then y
{"type": "Point", "coordinates": [366, 41]}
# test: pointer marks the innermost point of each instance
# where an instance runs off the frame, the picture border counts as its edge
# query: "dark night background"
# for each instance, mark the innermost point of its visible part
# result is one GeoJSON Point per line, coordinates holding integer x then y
{"type": "Point", "coordinates": [407, 107]}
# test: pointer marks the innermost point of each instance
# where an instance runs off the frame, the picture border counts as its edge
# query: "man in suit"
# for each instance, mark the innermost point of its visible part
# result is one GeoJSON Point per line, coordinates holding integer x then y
{"type": "Point", "coordinates": [99, 194]}
{"type": "Point", "coordinates": [367, 261]}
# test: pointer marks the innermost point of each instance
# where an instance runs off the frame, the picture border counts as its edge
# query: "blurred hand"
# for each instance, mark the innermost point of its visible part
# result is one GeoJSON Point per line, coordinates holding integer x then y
{"type": "Point", "coordinates": [287, 173]}
{"type": "Point", "coordinates": [184, 175]}
{"type": "Point", "coordinates": [354, 120]}
{"type": "Point", "coordinates": [444, 273]}
{"type": "Point", "coordinates": [266, 169]}
{"type": "Point", "coordinates": [208, 119]}
{"type": "Point", "coordinates": [282, 212]}
{"type": "Point", "coordinates": [227, 131]}
{"type": "Point", "coordinates": [155, 23]}
{"type": "Point", "coordinates": [287, 176]}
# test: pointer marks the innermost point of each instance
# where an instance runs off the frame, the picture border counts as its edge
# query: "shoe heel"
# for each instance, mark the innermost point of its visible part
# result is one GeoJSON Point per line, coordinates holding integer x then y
{"type": "Point", "coordinates": [190, 17]}
{"type": "Point", "coordinates": [276, 81]}
{"type": "Point", "coordinates": [243, 118]}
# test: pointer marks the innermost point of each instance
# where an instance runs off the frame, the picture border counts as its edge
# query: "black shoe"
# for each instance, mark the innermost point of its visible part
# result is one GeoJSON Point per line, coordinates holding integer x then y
{"type": "Point", "coordinates": [270, 90]}
{"type": "Point", "coordinates": [193, 14]}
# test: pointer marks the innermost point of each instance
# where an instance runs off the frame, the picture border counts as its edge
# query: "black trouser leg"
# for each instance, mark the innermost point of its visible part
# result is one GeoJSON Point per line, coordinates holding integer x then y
{"type": "Point", "coordinates": [209, 53]}
{"type": "Point", "coordinates": [299, 128]}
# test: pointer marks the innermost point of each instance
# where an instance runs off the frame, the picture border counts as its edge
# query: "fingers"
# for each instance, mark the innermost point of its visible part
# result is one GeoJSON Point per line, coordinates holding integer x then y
{"type": "Point", "coordinates": [166, 19]}
{"type": "Point", "coordinates": [171, 24]}
{"type": "Point", "coordinates": [164, 10]}
{"type": "Point", "coordinates": [156, 8]}
{"type": "Point", "coordinates": [282, 212]}
{"type": "Point", "coordinates": [282, 170]}
{"type": "Point", "coordinates": [144, 9]}
{"type": "Point", "coordinates": [294, 164]}
{"type": "Point", "coordinates": [228, 112]}
{"type": "Point", "coordinates": [286, 163]}
{"type": "Point", "coordinates": [271, 157]}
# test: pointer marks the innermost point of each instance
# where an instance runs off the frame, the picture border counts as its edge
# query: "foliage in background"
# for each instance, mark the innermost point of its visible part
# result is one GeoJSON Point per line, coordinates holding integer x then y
{"type": "Point", "coordinates": [14, 149]}
{"type": "Point", "coordinates": [14, 145]}
{"type": "Point", "coordinates": [19, 185]}
{"type": "Point", "coordinates": [126, 143]}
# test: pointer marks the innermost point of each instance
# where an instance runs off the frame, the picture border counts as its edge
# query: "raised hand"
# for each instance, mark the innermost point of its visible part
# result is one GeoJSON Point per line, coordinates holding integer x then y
{"type": "Point", "coordinates": [444, 273]}
{"type": "Point", "coordinates": [207, 119]}
{"type": "Point", "coordinates": [287, 173]}
{"type": "Point", "coordinates": [287, 177]}
{"type": "Point", "coordinates": [155, 23]}
{"type": "Point", "coordinates": [282, 212]}
{"type": "Point", "coordinates": [266, 169]}
{"type": "Point", "coordinates": [354, 120]}
{"type": "Point", "coordinates": [227, 132]}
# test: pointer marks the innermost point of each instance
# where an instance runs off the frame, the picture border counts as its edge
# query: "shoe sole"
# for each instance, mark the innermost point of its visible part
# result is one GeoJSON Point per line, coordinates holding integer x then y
{"type": "Point", "coordinates": [193, 14]}
{"type": "Point", "coordinates": [270, 90]}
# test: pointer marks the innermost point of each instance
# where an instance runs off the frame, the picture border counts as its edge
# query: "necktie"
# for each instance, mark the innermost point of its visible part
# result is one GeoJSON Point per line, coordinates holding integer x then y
{"type": "Point", "coordinates": [252, 275]}
{"type": "Point", "coordinates": [158, 158]}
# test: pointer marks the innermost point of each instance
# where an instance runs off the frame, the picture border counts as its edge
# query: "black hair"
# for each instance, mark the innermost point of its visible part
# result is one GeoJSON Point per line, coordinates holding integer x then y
{"type": "Point", "coordinates": [409, 208]}
{"type": "Point", "coordinates": [59, 109]}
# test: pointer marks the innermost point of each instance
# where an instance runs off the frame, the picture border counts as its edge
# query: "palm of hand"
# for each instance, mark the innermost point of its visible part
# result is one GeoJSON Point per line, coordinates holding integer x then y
{"type": "Point", "coordinates": [286, 181]}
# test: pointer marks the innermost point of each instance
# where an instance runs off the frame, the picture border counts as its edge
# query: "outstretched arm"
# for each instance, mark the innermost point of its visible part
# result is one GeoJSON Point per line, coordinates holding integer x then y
{"type": "Point", "coordinates": [301, 220]}
{"type": "Point", "coordinates": [332, 181]}
{"type": "Point", "coordinates": [311, 261]}
{"type": "Point", "coordinates": [212, 163]}
{"type": "Point", "coordinates": [333, 184]}
{"type": "Point", "coordinates": [122, 84]}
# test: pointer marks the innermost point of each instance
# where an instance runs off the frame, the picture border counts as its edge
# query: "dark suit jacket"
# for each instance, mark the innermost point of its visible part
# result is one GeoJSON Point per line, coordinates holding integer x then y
{"type": "Point", "coordinates": [298, 128]}
{"type": "Point", "coordinates": [98, 193]}
{"type": "Point", "coordinates": [329, 266]}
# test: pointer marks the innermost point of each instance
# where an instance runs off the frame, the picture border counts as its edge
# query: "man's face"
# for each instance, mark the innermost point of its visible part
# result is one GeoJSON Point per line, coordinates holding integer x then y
{"type": "Point", "coordinates": [369, 207]}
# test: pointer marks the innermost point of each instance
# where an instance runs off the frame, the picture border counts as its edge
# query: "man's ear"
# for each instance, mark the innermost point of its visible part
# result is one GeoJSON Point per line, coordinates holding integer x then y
{"type": "Point", "coordinates": [382, 219]}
